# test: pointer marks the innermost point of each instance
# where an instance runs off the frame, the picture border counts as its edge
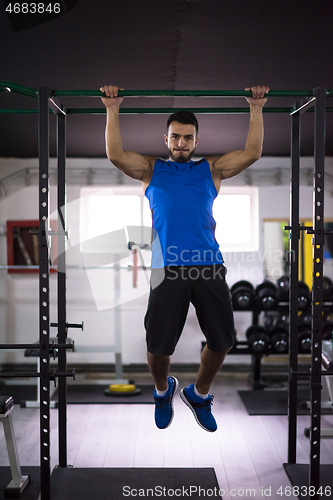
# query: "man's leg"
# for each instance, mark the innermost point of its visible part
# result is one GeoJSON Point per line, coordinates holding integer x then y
{"type": "Point", "coordinates": [211, 299]}
{"type": "Point", "coordinates": [211, 362]}
{"type": "Point", "coordinates": [165, 389]}
{"type": "Point", "coordinates": [196, 396]}
{"type": "Point", "coordinates": [166, 315]}
{"type": "Point", "coordinates": [159, 368]}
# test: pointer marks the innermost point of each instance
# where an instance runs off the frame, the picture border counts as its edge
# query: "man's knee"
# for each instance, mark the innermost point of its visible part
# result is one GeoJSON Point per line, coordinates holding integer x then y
{"type": "Point", "coordinates": [157, 357]}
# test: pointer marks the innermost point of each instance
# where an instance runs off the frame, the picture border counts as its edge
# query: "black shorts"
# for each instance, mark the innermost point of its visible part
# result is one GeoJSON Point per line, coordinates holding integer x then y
{"type": "Point", "coordinates": [169, 301]}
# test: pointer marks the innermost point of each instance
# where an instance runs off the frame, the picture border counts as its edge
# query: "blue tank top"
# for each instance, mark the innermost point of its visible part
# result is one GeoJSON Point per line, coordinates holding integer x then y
{"type": "Point", "coordinates": [181, 197]}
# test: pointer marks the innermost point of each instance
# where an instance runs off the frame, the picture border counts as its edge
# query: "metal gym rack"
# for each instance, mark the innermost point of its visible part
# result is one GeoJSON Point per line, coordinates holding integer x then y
{"type": "Point", "coordinates": [48, 100]}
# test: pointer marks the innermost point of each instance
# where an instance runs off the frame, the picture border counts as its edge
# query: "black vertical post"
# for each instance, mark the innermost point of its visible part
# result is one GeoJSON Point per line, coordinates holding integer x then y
{"type": "Point", "coordinates": [293, 286]}
{"type": "Point", "coordinates": [44, 291]}
{"type": "Point", "coordinates": [62, 328]}
{"type": "Point", "coordinates": [317, 289]}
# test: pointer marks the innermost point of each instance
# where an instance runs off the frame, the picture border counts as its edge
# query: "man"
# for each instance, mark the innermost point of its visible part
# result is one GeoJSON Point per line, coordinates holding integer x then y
{"type": "Point", "coordinates": [181, 194]}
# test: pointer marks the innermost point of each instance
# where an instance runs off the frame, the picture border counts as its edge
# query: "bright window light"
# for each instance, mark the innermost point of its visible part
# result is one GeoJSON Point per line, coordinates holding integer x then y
{"type": "Point", "coordinates": [106, 210]}
{"type": "Point", "coordinates": [236, 214]}
{"type": "Point", "coordinates": [235, 211]}
{"type": "Point", "coordinates": [110, 213]}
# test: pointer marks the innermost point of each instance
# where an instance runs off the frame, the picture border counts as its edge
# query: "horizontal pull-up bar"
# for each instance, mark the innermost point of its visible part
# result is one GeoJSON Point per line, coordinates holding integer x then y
{"type": "Point", "coordinates": [18, 89]}
{"type": "Point", "coordinates": [169, 111]}
{"type": "Point", "coordinates": [31, 92]}
{"type": "Point", "coordinates": [182, 93]}
{"type": "Point", "coordinates": [154, 111]}
{"type": "Point", "coordinates": [19, 111]}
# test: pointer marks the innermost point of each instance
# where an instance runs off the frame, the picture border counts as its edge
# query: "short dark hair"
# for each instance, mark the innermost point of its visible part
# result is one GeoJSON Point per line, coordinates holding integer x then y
{"type": "Point", "coordinates": [184, 117]}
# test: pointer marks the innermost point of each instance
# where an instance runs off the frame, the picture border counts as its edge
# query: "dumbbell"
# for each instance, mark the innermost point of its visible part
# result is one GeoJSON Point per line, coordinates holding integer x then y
{"type": "Point", "coordinates": [304, 296]}
{"type": "Point", "coordinates": [283, 288]}
{"type": "Point", "coordinates": [242, 294]}
{"type": "Point", "coordinates": [327, 289]}
{"type": "Point", "coordinates": [283, 319]}
{"type": "Point", "coordinates": [305, 317]}
{"type": "Point", "coordinates": [279, 339]}
{"type": "Point", "coordinates": [258, 339]}
{"type": "Point", "coordinates": [266, 295]}
{"type": "Point", "coordinates": [304, 338]}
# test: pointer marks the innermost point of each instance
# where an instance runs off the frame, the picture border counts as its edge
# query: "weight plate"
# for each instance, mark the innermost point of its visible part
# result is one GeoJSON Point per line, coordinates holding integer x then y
{"type": "Point", "coordinates": [122, 387]}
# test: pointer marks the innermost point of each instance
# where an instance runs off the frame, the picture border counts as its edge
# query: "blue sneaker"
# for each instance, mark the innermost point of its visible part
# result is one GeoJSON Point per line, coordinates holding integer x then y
{"type": "Point", "coordinates": [164, 406]}
{"type": "Point", "coordinates": [200, 407]}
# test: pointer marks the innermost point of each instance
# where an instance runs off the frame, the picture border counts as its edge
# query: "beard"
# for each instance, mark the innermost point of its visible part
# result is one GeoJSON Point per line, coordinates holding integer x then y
{"type": "Point", "coordinates": [183, 156]}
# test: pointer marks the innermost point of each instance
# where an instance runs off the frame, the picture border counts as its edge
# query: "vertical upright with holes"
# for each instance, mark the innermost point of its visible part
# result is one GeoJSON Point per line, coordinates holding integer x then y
{"type": "Point", "coordinates": [293, 285]}
{"type": "Point", "coordinates": [317, 289]}
{"type": "Point", "coordinates": [44, 294]}
{"type": "Point", "coordinates": [62, 328]}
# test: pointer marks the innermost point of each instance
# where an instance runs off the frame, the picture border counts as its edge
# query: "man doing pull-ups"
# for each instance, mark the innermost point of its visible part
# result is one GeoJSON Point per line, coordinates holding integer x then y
{"type": "Point", "coordinates": [181, 193]}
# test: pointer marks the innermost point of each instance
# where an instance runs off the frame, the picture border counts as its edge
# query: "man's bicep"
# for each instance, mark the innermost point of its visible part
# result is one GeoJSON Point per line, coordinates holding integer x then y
{"type": "Point", "coordinates": [133, 164]}
{"type": "Point", "coordinates": [232, 163]}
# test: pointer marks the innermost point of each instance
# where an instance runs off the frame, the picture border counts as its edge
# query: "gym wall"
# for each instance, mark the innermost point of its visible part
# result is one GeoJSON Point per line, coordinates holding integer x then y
{"type": "Point", "coordinates": [19, 293]}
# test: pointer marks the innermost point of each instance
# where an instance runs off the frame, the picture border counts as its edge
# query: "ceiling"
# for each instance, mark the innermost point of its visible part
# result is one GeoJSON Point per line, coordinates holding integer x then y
{"type": "Point", "coordinates": [167, 45]}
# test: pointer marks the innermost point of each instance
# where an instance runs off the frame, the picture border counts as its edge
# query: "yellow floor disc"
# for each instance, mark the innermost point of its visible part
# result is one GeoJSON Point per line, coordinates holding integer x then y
{"type": "Point", "coordinates": [122, 387]}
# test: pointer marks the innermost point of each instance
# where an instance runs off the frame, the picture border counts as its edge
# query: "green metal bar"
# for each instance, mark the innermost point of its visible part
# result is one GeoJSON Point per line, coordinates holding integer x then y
{"type": "Point", "coordinates": [154, 111]}
{"type": "Point", "coordinates": [23, 111]}
{"type": "Point", "coordinates": [18, 89]}
{"type": "Point", "coordinates": [31, 92]}
{"type": "Point", "coordinates": [182, 93]}
{"type": "Point", "coordinates": [168, 111]}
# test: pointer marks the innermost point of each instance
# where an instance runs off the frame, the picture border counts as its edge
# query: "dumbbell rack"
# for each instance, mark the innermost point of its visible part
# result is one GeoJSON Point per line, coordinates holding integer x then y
{"type": "Point", "coordinates": [241, 346]}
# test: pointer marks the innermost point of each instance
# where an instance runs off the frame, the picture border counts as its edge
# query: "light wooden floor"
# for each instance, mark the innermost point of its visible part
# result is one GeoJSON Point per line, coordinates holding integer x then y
{"type": "Point", "coordinates": [247, 452]}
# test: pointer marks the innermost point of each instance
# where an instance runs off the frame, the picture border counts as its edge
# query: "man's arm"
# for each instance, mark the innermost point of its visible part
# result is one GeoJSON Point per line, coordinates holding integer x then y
{"type": "Point", "coordinates": [132, 164]}
{"type": "Point", "coordinates": [235, 162]}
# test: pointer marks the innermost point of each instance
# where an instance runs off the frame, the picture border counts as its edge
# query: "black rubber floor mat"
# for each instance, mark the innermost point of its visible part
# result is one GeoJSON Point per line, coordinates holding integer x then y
{"type": "Point", "coordinates": [274, 402]}
{"type": "Point", "coordinates": [119, 483]}
{"type": "Point", "coordinates": [299, 477]}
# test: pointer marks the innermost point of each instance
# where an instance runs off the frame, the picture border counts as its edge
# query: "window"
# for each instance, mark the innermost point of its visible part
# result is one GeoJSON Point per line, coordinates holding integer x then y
{"type": "Point", "coordinates": [122, 213]}
{"type": "Point", "coordinates": [236, 214]}
{"type": "Point", "coordinates": [106, 210]}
